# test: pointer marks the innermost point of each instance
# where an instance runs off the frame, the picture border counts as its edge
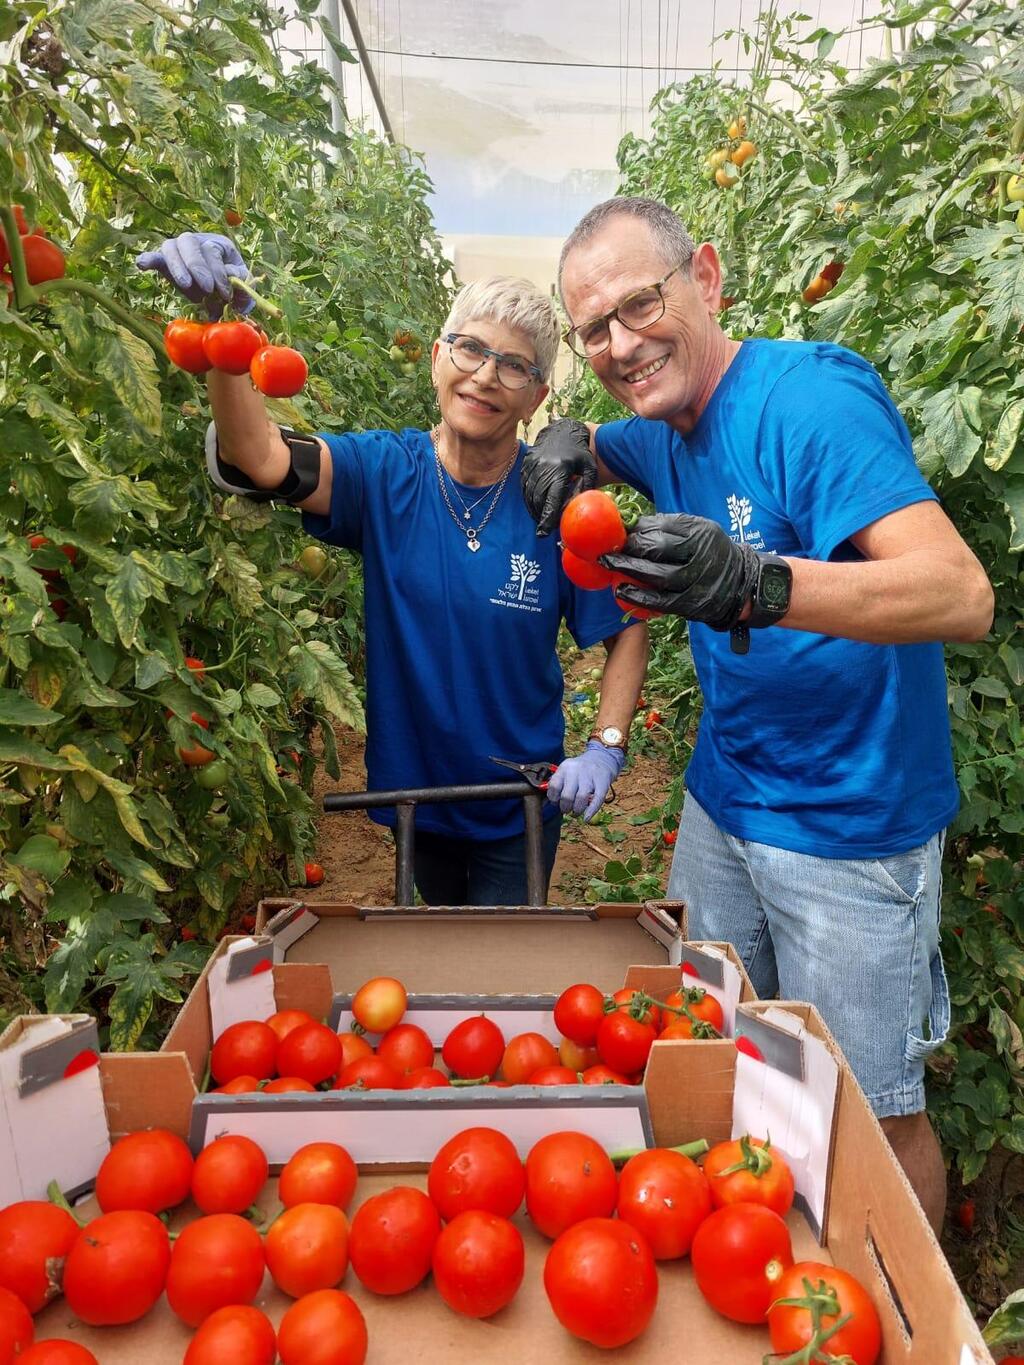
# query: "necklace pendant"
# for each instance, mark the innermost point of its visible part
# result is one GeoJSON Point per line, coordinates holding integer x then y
{"type": "Point", "coordinates": [466, 515]}
{"type": "Point", "coordinates": [473, 544]}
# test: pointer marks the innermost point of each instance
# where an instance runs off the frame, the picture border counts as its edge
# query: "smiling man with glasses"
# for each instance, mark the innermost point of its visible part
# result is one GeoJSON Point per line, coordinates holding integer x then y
{"type": "Point", "coordinates": [818, 572]}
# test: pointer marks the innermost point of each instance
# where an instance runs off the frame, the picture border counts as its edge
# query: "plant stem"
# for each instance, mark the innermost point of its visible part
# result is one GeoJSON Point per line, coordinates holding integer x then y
{"type": "Point", "coordinates": [143, 330]}
{"type": "Point", "coordinates": [691, 1149]}
{"type": "Point", "coordinates": [787, 123]}
{"type": "Point", "coordinates": [271, 309]}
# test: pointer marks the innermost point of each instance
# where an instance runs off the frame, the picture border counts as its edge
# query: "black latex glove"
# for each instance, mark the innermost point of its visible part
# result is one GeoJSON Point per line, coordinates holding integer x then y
{"type": "Point", "coordinates": [557, 466]}
{"type": "Point", "coordinates": [687, 566]}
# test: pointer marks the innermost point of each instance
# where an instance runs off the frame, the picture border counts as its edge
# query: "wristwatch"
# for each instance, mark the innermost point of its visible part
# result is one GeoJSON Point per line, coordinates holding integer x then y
{"type": "Point", "coordinates": [610, 736]}
{"type": "Point", "coordinates": [770, 600]}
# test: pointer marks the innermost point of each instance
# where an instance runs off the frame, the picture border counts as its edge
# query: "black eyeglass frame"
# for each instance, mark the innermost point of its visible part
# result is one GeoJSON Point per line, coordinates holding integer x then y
{"type": "Point", "coordinates": [573, 333]}
{"type": "Point", "coordinates": [535, 373]}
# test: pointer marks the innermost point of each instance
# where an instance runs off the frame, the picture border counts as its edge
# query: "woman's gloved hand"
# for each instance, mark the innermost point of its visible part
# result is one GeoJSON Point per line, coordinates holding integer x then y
{"type": "Point", "coordinates": [580, 784]}
{"type": "Point", "coordinates": [198, 265]}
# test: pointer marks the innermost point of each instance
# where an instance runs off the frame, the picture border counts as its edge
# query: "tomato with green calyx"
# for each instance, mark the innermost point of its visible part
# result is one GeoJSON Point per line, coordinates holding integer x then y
{"type": "Point", "coordinates": [601, 1281]}
{"type": "Point", "coordinates": [739, 1255]}
{"type": "Point", "coordinates": [478, 1168]}
{"type": "Point", "coordinates": [628, 1000]}
{"type": "Point", "coordinates": [591, 525]}
{"type": "Point", "coordinates": [474, 1048]}
{"type": "Point", "coordinates": [183, 342]}
{"type": "Point", "coordinates": [326, 1327]}
{"type": "Point", "coordinates": [230, 346]}
{"type": "Point", "coordinates": [239, 1334]}
{"type": "Point", "coordinates": [149, 1170]}
{"type": "Point", "coordinates": [217, 1262]}
{"type": "Point", "coordinates": [478, 1263]}
{"type": "Point", "coordinates": [313, 561]}
{"type": "Point", "coordinates": [35, 1237]}
{"type": "Point", "coordinates": [809, 1300]}
{"type": "Point", "coordinates": [116, 1268]}
{"type": "Point", "coordinates": [213, 776]}
{"type": "Point", "coordinates": [569, 1177]}
{"type": "Point", "coordinates": [378, 1005]}
{"type": "Point", "coordinates": [664, 1195]}
{"type": "Point", "coordinates": [392, 1239]}
{"type": "Point", "coordinates": [749, 1170]}
{"type": "Point", "coordinates": [229, 1174]}
{"type": "Point", "coordinates": [278, 371]}
{"type": "Point", "coordinates": [16, 1326]}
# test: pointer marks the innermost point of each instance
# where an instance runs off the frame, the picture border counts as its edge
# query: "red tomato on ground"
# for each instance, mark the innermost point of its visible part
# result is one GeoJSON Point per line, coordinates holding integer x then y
{"type": "Point", "coordinates": [591, 525]}
{"type": "Point", "coordinates": [525, 1054]}
{"type": "Point", "coordinates": [314, 874]}
{"type": "Point", "coordinates": [478, 1263]}
{"type": "Point", "coordinates": [115, 1271]}
{"type": "Point", "coordinates": [151, 1170]}
{"type": "Point", "coordinates": [478, 1168]}
{"type": "Point", "coordinates": [474, 1048]}
{"type": "Point", "coordinates": [57, 1351]}
{"type": "Point", "coordinates": [602, 1282]}
{"type": "Point", "coordinates": [35, 1236]}
{"type": "Point", "coordinates": [325, 1328]}
{"type": "Point", "coordinates": [791, 1328]}
{"type": "Point", "coordinates": [664, 1195]}
{"type": "Point", "coordinates": [183, 342]}
{"type": "Point", "coordinates": [578, 1012]}
{"type": "Point", "coordinates": [378, 1005]}
{"type": "Point", "coordinates": [230, 346]}
{"type": "Point", "coordinates": [217, 1262]}
{"type": "Point", "coordinates": [239, 1335]}
{"type": "Point", "coordinates": [312, 1051]}
{"type": "Point", "coordinates": [285, 1021]}
{"type": "Point", "coordinates": [391, 1241]}
{"type": "Point", "coordinates": [307, 1248]}
{"type": "Point", "coordinates": [319, 1173]}
{"type": "Point", "coordinates": [16, 1326]}
{"type": "Point", "coordinates": [278, 371]}
{"type": "Point", "coordinates": [369, 1073]}
{"type": "Point", "coordinates": [625, 1043]}
{"type": "Point", "coordinates": [248, 1048]}
{"type": "Point", "coordinates": [739, 1255]}
{"type": "Point", "coordinates": [229, 1174]}
{"type": "Point", "coordinates": [749, 1170]}
{"type": "Point", "coordinates": [569, 1177]}
{"type": "Point", "coordinates": [406, 1047]}
{"type": "Point", "coordinates": [584, 573]}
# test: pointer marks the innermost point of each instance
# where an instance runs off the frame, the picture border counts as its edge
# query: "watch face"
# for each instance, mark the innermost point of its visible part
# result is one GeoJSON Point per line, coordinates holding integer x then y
{"type": "Point", "coordinates": [610, 735]}
{"type": "Point", "coordinates": [773, 589]}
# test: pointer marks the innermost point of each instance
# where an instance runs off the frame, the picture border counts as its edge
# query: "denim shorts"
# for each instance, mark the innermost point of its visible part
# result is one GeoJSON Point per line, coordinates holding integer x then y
{"type": "Point", "coordinates": [858, 938]}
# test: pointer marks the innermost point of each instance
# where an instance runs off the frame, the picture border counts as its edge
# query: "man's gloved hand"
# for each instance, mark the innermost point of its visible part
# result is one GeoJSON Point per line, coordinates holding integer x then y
{"type": "Point", "coordinates": [580, 784]}
{"type": "Point", "coordinates": [688, 566]}
{"type": "Point", "coordinates": [558, 465]}
{"type": "Point", "coordinates": [198, 265]}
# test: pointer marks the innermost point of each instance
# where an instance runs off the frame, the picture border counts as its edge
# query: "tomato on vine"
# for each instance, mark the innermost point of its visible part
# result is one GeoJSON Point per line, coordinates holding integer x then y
{"type": "Point", "coordinates": [810, 1300]}
{"type": "Point", "coordinates": [183, 342]}
{"type": "Point", "coordinates": [278, 371]}
{"type": "Point", "coordinates": [230, 346]}
{"type": "Point", "coordinates": [591, 525]}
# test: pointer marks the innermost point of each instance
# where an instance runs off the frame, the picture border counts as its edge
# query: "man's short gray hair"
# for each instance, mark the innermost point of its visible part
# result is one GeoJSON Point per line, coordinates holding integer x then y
{"type": "Point", "coordinates": [673, 242]}
{"type": "Point", "coordinates": [515, 302]}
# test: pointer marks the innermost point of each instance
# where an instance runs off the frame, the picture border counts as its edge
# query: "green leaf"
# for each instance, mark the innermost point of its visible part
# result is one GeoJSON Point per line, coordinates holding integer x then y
{"type": "Point", "coordinates": [261, 696]}
{"type": "Point", "coordinates": [17, 709]}
{"type": "Point", "coordinates": [135, 869]}
{"type": "Point", "coordinates": [41, 853]}
{"type": "Point", "coordinates": [1006, 1325]}
{"type": "Point", "coordinates": [128, 362]}
{"type": "Point", "coordinates": [946, 420]}
{"type": "Point", "coordinates": [323, 675]}
{"type": "Point", "coordinates": [127, 594]}
{"type": "Point", "coordinates": [74, 960]}
{"type": "Point", "coordinates": [1004, 442]}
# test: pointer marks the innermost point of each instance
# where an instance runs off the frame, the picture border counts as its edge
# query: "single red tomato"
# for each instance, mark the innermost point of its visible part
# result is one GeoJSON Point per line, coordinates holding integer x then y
{"type": "Point", "coordinates": [569, 1177]}
{"type": "Point", "coordinates": [238, 1085]}
{"type": "Point", "coordinates": [391, 1241]}
{"type": "Point", "coordinates": [44, 260]}
{"type": "Point", "coordinates": [312, 1051]}
{"type": "Point", "coordinates": [664, 1195]}
{"type": "Point", "coordinates": [739, 1254]}
{"type": "Point", "coordinates": [352, 1046]}
{"type": "Point", "coordinates": [116, 1269]}
{"type": "Point", "coordinates": [150, 1170]}
{"type": "Point", "coordinates": [232, 217]}
{"type": "Point", "coordinates": [197, 756]}
{"type": "Point", "coordinates": [585, 574]}
{"type": "Point", "coordinates": [278, 371]}
{"type": "Point", "coordinates": [378, 1005]}
{"type": "Point", "coordinates": [314, 874]}
{"type": "Point", "coordinates": [369, 1073]}
{"type": "Point", "coordinates": [553, 1075]}
{"type": "Point", "coordinates": [236, 1335]}
{"type": "Point", "coordinates": [196, 667]}
{"type": "Point", "coordinates": [578, 1012]}
{"type": "Point", "coordinates": [217, 1262]}
{"type": "Point", "coordinates": [16, 1326]}
{"type": "Point", "coordinates": [285, 1021]}
{"type": "Point", "coordinates": [319, 1173]}
{"type": "Point", "coordinates": [604, 1075]}
{"type": "Point", "coordinates": [325, 1328]}
{"type": "Point", "coordinates": [287, 1085]}
{"type": "Point", "coordinates": [426, 1078]}
{"type": "Point", "coordinates": [525, 1054]}
{"type": "Point", "coordinates": [248, 1048]}
{"type": "Point", "coordinates": [625, 1043]}
{"type": "Point", "coordinates": [229, 1174]}
{"type": "Point", "coordinates": [183, 342]}
{"type": "Point", "coordinates": [591, 525]}
{"type": "Point", "coordinates": [406, 1047]}
{"type": "Point", "coordinates": [479, 1260]}
{"type": "Point", "coordinates": [230, 346]}
{"type": "Point", "coordinates": [35, 1237]}
{"type": "Point", "coordinates": [478, 1168]}
{"type": "Point", "coordinates": [837, 1293]}
{"type": "Point", "coordinates": [602, 1282]}
{"type": "Point", "coordinates": [751, 1171]}
{"type": "Point", "coordinates": [474, 1048]}
{"type": "Point", "coordinates": [575, 1057]}
{"type": "Point", "coordinates": [57, 1351]}
{"type": "Point", "coordinates": [307, 1248]}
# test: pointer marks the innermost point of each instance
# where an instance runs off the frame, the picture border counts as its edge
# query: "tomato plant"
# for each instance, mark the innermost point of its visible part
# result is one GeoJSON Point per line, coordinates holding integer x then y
{"type": "Point", "coordinates": [810, 1300]}
{"type": "Point", "coordinates": [326, 1327]}
{"type": "Point", "coordinates": [474, 1048]}
{"type": "Point", "coordinates": [739, 1255]}
{"type": "Point", "coordinates": [149, 1170]}
{"type": "Point", "coordinates": [391, 1241]}
{"type": "Point", "coordinates": [116, 1268]}
{"type": "Point", "coordinates": [307, 1248]}
{"type": "Point", "coordinates": [318, 1173]}
{"type": "Point", "coordinates": [664, 1195]}
{"type": "Point", "coordinates": [248, 1048]}
{"type": "Point", "coordinates": [229, 1174]}
{"type": "Point", "coordinates": [239, 1333]}
{"type": "Point", "coordinates": [35, 1237]}
{"type": "Point", "coordinates": [749, 1170]}
{"type": "Point", "coordinates": [592, 525]}
{"type": "Point", "coordinates": [478, 1168]}
{"type": "Point", "coordinates": [478, 1263]}
{"type": "Point", "coordinates": [569, 1177]}
{"type": "Point", "coordinates": [378, 1005]}
{"type": "Point", "coordinates": [217, 1262]}
{"type": "Point", "coordinates": [601, 1281]}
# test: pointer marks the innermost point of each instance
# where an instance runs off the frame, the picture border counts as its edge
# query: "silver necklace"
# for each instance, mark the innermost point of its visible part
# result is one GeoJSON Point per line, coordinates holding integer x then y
{"type": "Point", "coordinates": [472, 533]}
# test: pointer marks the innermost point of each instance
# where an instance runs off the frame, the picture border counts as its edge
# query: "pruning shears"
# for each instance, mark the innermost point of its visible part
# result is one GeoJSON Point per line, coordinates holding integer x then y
{"type": "Point", "coordinates": [537, 774]}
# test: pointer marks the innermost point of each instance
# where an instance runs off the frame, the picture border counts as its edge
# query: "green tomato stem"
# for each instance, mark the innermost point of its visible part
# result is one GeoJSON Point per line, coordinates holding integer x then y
{"type": "Point", "coordinates": [264, 305]}
{"type": "Point", "coordinates": [691, 1149]}
{"type": "Point", "coordinates": [56, 1196]}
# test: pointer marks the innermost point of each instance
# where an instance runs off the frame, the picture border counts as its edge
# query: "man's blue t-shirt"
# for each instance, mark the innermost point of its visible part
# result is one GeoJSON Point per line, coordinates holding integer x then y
{"type": "Point", "coordinates": [820, 745]}
{"type": "Point", "coordinates": [461, 658]}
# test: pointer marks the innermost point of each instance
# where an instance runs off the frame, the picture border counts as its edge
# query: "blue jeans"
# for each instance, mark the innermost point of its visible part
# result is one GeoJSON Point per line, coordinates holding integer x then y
{"type": "Point", "coordinates": [478, 872]}
{"type": "Point", "coordinates": [858, 938]}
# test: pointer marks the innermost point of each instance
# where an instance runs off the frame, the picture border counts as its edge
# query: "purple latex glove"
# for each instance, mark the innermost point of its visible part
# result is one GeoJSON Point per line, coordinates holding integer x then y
{"type": "Point", "coordinates": [581, 784]}
{"type": "Point", "coordinates": [198, 265]}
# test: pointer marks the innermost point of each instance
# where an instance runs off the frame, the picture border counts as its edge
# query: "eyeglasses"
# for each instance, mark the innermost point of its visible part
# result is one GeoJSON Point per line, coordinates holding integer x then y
{"type": "Point", "coordinates": [635, 312]}
{"type": "Point", "coordinates": [468, 355]}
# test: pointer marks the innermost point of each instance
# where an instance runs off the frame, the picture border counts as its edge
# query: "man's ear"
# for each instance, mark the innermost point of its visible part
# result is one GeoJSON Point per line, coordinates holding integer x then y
{"type": "Point", "coordinates": [706, 275]}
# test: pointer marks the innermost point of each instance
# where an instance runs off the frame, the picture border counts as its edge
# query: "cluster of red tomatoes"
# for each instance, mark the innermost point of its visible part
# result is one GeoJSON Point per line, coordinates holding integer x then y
{"type": "Point", "coordinates": [592, 526]}
{"type": "Point", "coordinates": [44, 260]}
{"type": "Point", "coordinates": [235, 348]}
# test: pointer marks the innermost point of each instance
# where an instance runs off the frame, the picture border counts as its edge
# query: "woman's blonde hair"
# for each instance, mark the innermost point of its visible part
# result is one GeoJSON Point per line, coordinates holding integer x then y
{"type": "Point", "coordinates": [516, 303]}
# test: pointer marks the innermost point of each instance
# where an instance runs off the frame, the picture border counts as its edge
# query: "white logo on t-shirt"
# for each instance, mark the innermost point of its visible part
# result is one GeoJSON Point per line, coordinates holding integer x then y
{"type": "Point", "coordinates": [518, 591]}
{"type": "Point", "coordinates": [740, 511]}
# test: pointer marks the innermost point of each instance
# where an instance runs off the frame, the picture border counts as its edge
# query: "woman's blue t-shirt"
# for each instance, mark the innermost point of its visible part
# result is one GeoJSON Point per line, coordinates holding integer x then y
{"type": "Point", "coordinates": [461, 659]}
{"type": "Point", "coordinates": [820, 745]}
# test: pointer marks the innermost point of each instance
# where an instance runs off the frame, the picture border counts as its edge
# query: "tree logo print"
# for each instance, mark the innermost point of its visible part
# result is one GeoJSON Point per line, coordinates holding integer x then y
{"type": "Point", "coordinates": [524, 571]}
{"type": "Point", "coordinates": [740, 512]}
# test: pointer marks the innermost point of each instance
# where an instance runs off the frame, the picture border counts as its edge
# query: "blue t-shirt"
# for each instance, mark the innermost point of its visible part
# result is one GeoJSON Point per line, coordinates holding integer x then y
{"type": "Point", "coordinates": [820, 745]}
{"type": "Point", "coordinates": [461, 659]}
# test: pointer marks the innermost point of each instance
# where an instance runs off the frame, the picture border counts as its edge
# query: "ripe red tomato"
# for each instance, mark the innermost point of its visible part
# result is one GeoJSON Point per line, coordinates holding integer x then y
{"type": "Point", "coordinates": [578, 1012]}
{"type": "Point", "coordinates": [739, 1254]}
{"type": "Point", "coordinates": [286, 1085]}
{"type": "Point", "coordinates": [35, 1236]}
{"type": "Point", "coordinates": [325, 1328]}
{"type": "Point", "coordinates": [232, 217]}
{"type": "Point", "coordinates": [630, 608]}
{"type": "Point", "coordinates": [553, 1075]}
{"type": "Point", "coordinates": [391, 1241]}
{"type": "Point", "coordinates": [314, 874]}
{"type": "Point", "coordinates": [425, 1078]}
{"type": "Point", "coordinates": [312, 1051]}
{"type": "Point", "coordinates": [478, 1168]}
{"type": "Point", "coordinates": [585, 574]}
{"type": "Point", "coordinates": [624, 1043]}
{"type": "Point", "coordinates": [248, 1048]}
{"type": "Point", "coordinates": [195, 666]}
{"type": "Point", "coordinates": [664, 1195]}
{"type": "Point", "coordinates": [791, 1328]}
{"type": "Point", "coordinates": [217, 1262]}
{"type": "Point", "coordinates": [43, 259]}
{"type": "Point", "coordinates": [278, 371]}
{"type": "Point", "coordinates": [151, 1170]}
{"type": "Point", "coordinates": [230, 346]}
{"type": "Point", "coordinates": [284, 1021]}
{"type": "Point", "coordinates": [319, 1173]}
{"type": "Point", "coordinates": [228, 1175]}
{"type": "Point", "coordinates": [575, 1057]}
{"type": "Point", "coordinates": [183, 342]}
{"type": "Point", "coordinates": [240, 1334]}
{"type": "Point", "coordinates": [57, 1351]}
{"type": "Point", "coordinates": [569, 1177]}
{"type": "Point", "coordinates": [369, 1073]}
{"type": "Point", "coordinates": [379, 1004]}
{"type": "Point", "coordinates": [239, 1085]}
{"type": "Point", "coordinates": [591, 525]}
{"type": "Point", "coordinates": [525, 1054]}
{"type": "Point", "coordinates": [307, 1248]}
{"type": "Point", "coordinates": [474, 1048]}
{"type": "Point", "coordinates": [701, 1004]}
{"type": "Point", "coordinates": [406, 1047]}
{"type": "Point", "coordinates": [352, 1046]}
{"type": "Point", "coordinates": [116, 1269]}
{"type": "Point", "coordinates": [604, 1075]}
{"type": "Point", "coordinates": [749, 1171]}
{"type": "Point", "coordinates": [478, 1263]}
{"type": "Point", "coordinates": [16, 1326]}
{"type": "Point", "coordinates": [197, 756]}
{"type": "Point", "coordinates": [602, 1282]}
